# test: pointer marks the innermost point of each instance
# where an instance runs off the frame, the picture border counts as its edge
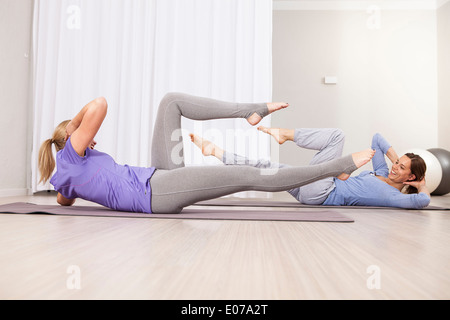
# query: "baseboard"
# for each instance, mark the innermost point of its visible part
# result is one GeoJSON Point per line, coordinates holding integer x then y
{"type": "Point", "coordinates": [15, 192]}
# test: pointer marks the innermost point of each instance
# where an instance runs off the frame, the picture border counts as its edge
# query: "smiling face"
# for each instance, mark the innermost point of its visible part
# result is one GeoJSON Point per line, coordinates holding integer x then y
{"type": "Point", "coordinates": [401, 170]}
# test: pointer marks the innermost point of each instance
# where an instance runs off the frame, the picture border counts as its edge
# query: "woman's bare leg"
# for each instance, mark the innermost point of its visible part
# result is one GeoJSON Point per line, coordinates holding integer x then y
{"type": "Point", "coordinates": [281, 135]}
{"type": "Point", "coordinates": [208, 148]}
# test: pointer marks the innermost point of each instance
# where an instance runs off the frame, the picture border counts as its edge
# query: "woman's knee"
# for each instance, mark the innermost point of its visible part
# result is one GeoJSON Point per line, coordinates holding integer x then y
{"type": "Point", "coordinates": [338, 136]}
{"type": "Point", "coordinates": [172, 97]}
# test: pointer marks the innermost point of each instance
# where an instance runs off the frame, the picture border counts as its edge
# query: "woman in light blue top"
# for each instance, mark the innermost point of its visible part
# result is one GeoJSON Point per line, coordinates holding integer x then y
{"type": "Point", "coordinates": [404, 186]}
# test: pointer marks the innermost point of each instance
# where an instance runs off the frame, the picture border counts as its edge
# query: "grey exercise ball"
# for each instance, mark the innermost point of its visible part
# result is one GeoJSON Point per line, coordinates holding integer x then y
{"type": "Point", "coordinates": [444, 159]}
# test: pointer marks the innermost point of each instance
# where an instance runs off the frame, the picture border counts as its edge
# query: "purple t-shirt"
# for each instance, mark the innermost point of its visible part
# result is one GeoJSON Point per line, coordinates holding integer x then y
{"type": "Point", "coordinates": [98, 178]}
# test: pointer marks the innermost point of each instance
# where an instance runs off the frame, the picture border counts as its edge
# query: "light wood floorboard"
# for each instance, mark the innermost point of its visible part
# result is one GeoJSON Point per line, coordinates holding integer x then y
{"type": "Point", "coordinates": [125, 258]}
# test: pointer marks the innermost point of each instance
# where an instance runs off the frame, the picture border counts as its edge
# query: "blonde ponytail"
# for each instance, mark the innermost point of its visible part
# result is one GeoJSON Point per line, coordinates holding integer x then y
{"type": "Point", "coordinates": [46, 161]}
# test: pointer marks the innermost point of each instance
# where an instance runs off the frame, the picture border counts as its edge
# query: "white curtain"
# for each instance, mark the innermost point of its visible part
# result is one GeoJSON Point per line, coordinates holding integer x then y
{"type": "Point", "coordinates": [134, 52]}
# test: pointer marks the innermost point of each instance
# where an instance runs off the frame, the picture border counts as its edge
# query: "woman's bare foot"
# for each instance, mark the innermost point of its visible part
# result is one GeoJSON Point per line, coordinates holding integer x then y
{"type": "Point", "coordinates": [359, 158]}
{"type": "Point", "coordinates": [255, 118]}
{"type": "Point", "coordinates": [281, 135]}
{"type": "Point", "coordinates": [208, 148]}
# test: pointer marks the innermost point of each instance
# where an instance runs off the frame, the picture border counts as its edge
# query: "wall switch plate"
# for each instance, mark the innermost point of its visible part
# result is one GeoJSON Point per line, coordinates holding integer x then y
{"type": "Point", "coordinates": [330, 80]}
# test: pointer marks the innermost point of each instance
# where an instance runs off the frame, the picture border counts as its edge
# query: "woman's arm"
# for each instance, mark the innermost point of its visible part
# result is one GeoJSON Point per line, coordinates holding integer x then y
{"type": "Point", "coordinates": [421, 186]}
{"type": "Point", "coordinates": [381, 147]}
{"type": "Point", "coordinates": [85, 125]}
{"type": "Point", "coordinates": [392, 155]}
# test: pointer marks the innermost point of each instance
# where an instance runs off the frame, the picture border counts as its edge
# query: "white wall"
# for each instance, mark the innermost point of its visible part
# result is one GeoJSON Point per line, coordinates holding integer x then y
{"type": "Point", "coordinates": [387, 76]}
{"type": "Point", "coordinates": [15, 44]}
{"type": "Point", "coordinates": [443, 31]}
{"type": "Point", "coordinates": [387, 79]}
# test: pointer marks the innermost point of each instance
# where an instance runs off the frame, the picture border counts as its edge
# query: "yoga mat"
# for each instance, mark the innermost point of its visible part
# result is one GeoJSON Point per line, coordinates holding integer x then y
{"type": "Point", "coordinates": [188, 213]}
{"type": "Point", "coordinates": [288, 204]}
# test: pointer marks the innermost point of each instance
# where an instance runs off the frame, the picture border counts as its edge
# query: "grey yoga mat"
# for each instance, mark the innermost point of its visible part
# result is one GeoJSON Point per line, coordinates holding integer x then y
{"type": "Point", "coordinates": [188, 213]}
{"type": "Point", "coordinates": [290, 204]}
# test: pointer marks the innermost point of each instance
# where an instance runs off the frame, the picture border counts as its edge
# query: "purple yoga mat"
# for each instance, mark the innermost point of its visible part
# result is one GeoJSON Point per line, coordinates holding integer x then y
{"type": "Point", "coordinates": [277, 214]}
{"type": "Point", "coordinates": [223, 202]}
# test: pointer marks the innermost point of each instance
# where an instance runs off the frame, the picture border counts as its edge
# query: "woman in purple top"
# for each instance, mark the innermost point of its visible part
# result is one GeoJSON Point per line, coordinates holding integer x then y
{"type": "Point", "coordinates": [404, 186]}
{"type": "Point", "coordinates": [167, 186]}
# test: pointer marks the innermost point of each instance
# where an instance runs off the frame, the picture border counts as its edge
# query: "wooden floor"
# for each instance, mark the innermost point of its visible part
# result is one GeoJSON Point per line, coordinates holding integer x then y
{"type": "Point", "coordinates": [384, 254]}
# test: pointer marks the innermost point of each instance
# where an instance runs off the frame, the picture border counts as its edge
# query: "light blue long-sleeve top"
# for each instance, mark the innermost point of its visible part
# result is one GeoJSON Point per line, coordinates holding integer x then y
{"type": "Point", "coordinates": [368, 190]}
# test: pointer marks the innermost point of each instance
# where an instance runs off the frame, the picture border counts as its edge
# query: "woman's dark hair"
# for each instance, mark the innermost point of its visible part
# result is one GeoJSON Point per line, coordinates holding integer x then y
{"type": "Point", "coordinates": [418, 168]}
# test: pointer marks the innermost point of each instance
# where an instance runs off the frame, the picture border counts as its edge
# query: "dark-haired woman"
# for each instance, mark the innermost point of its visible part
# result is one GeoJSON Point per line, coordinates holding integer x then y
{"type": "Point", "coordinates": [404, 186]}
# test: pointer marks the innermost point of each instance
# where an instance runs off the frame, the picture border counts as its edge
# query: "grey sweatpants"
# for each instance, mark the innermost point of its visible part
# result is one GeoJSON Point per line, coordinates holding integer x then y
{"type": "Point", "coordinates": [175, 186]}
{"type": "Point", "coordinates": [329, 142]}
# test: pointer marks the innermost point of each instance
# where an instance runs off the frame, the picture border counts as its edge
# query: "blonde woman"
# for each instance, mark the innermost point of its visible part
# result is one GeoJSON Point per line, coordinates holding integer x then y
{"type": "Point", "coordinates": [167, 186]}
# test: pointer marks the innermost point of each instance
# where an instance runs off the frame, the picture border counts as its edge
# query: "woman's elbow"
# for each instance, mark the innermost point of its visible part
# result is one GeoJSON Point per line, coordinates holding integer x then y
{"type": "Point", "coordinates": [376, 137]}
{"type": "Point", "coordinates": [422, 201]}
{"type": "Point", "coordinates": [101, 104]}
{"type": "Point", "coordinates": [64, 201]}
{"type": "Point", "coordinates": [426, 201]}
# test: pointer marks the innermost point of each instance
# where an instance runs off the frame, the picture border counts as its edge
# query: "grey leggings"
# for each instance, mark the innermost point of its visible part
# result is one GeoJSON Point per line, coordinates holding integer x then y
{"type": "Point", "coordinates": [175, 186]}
